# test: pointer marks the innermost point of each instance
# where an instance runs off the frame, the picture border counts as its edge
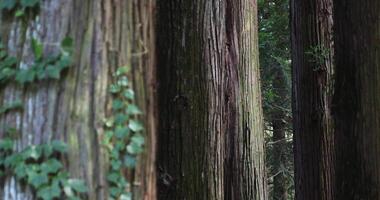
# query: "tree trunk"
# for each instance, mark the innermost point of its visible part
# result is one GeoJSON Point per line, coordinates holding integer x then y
{"type": "Point", "coordinates": [278, 116]}
{"type": "Point", "coordinates": [356, 100]}
{"type": "Point", "coordinates": [312, 58]}
{"type": "Point", "coordinates": [210, 134]}
{"type": "Point", "coordinates": [107, 35]}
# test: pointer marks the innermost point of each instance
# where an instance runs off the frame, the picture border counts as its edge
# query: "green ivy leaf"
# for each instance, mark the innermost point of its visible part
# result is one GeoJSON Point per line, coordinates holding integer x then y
{"type": "Point", "coordinates": [127, 196]}
{"type": "Point", "coordinates": [123, 81]}
{"type": "Point", "coordinates": [51, 166]}
{"type": "Point", "coordinates": [59, 146]}
{"type": "Point", "coordinates": [130, 161]}
{"type": "Point", "coordinates": [25, 75]}
{"type": "Point", "coordinates": [132, 109]}
{"type": "Point", "coordinates": [37, 48]}
{"type": "Point", "coordinates": [6, 144]}
{"type": "Point", "coordinates": [121, 132]}
{"type": "Point", "coordinates": [77, 185]}
{"type": "Point", "coordinates": [53, 72]}
{"type": "Point", "coordinates": [33, 152]}
{"type": "Point", "coordinates": [135, 126]}
{"type": "Point", "coordinates": [129, 94]}
{"type": "Point", "coordinates": [113, 177]}
{"type": "Point", "coordinates": [122, 70]}
{"type": "Point", "coordinates": [13, 160]}
{"type": "Point", "coordinates": [37, 179]}
{"type": "Point", "coordinates": [134, 149]}
{"type": "Point", "coordinates": [116, 164]}
{"type": "Point", "coordinates": [19, 13]}
{"type": "Point", "coordinates": [67, 44]}
{"type": "Point", "coordinates": [117, 104]}
{"type": "Point", "coordinates": [49, 192]}
{"type": "Point", "coordinates": [29, 3]}
{"type": "Point", "coordinates": [121, 118]}
{"type": "Point", "coordinates": [20, 171]}
{"type": "Point", "coordinates": [7, 4]}
{"type": "Point", "coordinates": [114, 88]}
{"type": "Point", "coordinates": [115, 191]}
{"type": "Point", "coordinates": [138, 139]}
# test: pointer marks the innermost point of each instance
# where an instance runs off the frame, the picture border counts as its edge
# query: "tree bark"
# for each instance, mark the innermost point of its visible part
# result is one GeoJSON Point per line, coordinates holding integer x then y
{"type": "Point", "coordinates": [210, 134]}
{"type": "Point", "coordinates": [313, 70]}
{"type": "Point", "coordinates": [278, 117]}
{"type": "Point", "coordinates": [107, 35]}
{"type": "Point", "coordinates": [356, 101]}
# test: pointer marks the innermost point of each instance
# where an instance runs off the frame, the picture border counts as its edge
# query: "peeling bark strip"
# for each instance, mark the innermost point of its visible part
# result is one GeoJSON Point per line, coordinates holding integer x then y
{"type": "Point", "coordinates": [210, 134]}
{"type": "Point", "coordinates": [312, 57]}
{"type": "Point", "coordinates": [107, 34]}
{"type": "Point", "coordinates": [356, 101]}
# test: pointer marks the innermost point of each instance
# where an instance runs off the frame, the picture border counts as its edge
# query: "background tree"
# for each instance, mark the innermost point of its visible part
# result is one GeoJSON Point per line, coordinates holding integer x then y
{"type": "Point", "coordinates": [312, 59]}
{"type": "Point", "coordinates": [356, 99]}
{"type": "Point", "coordinates": [210, 135]}
{"type": "Point", "coordinates": [71, 105]}
{"type": "Point", "coordinates": [275, 70]}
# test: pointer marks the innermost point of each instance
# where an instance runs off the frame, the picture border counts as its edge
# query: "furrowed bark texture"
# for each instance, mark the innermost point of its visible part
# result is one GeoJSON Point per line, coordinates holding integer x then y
{"type": "Point", "coordinates": [107, 34]}
{"type": "Point", "coordinates": [356, 100]}
{"type": "Point", "coordinates": [281, 89]}
{"type": "Point", "coordinates": [210, 134]}
{"type": "Point", "coordinates": [313, 70]}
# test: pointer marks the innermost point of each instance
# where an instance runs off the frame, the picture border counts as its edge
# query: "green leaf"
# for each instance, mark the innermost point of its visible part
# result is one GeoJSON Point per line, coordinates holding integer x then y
{"type": "Point", "coordinates": [135, 126]}
{"type": "Point", "coordinates": [51, 166]}
{"type": "Point", "coordinates": [37, 48]}
{"type": "Point", "coordinates": [25, 75]}
{"type": "Point", "coordinates": [117, 104]}
{"type": "Point", "coordinates": [6, 144]}
{"type": "Point", "coordinates": [47, 149]}
{"type": "Point", "coordinates": [121, 118]}
{"type": "Point", "coordinates": [113, 177]}
{"type": "Point", "coordinates": [15, 105]}
{"type": "Point", "coordinates": [121, 132]}
{"type": "Point", "coordinates": [53, 72]}
{"type": "Point", "coordinates": [129, 94]}
{"type": "Point", "coordinates": [19, 13]}
{"type": "Point", "coordinates": [33, 152]}
{"type": "Point", "coordinates": [115, 191]}
{"type": "Point", "coordinates": [37, 179]}
{"type": "Point", "coordinates": [7, 4]}
{"type": "Point", "coordinates": [133, 110]}
{"type": "Point", "coordinates": [49, 192]}
{"type": "Point", "coordinates": [127, 196]}
{"type": "Point", "coordinates": [130, 161]}
{"type": "Point", "coordinates": [20, 171]}
{"type": "Point", "coordinates": [134, 149]}
{"type": "Point", "coordinates": [138, 139]}
{"type": "Point", "coordinates": [116, 164]}
{"type": "Point", "coordinates": [67, 44]}
{"type": "Point", "coordinates": [29, 3]}
{"type": "Point", "coordinates": [122, 70]}
{"type": "Point", "coordinates": [114, 88]}
{"type": "Point", "coordinates": [59, 146]}
{"type": "Point", "coordinates": [13, 160]}
{"type": "Point", "coordinates": [64, 61]}
{"type": "Point", "coordinates": [77, 185]}
{"type": "Point", "coordinates": [123, 81]}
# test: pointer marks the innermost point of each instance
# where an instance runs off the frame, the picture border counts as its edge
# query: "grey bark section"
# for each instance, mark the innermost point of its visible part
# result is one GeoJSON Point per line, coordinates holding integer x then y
{"type": "Point", "coordinates": [356, 100]}
{"type": "Point", "coordinates": [313, 70]}
{"type": "Point", "coordinates": [73, 108]}
{"type": "Point", "coordinates": [211, 132]}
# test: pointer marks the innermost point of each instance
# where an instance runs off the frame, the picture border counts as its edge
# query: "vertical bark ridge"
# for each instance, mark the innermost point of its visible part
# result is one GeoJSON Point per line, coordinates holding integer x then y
{"type": "Point", "coordinates": [211, 139]}
{"type": "Point", "coordinates": [313, 71]}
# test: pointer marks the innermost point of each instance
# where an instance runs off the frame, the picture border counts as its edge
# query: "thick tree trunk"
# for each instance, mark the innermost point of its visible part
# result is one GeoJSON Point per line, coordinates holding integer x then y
{"type": "Point", "coordinates": [312, 58]}
{"type": "Point", "coordinates": [356, 100]}
{"type": "Point", "coordinates": [107, 35]}
{"type": "Point", "coordinates": [279, 116]}
{"type": "Point", "coordinates": [210, 135]}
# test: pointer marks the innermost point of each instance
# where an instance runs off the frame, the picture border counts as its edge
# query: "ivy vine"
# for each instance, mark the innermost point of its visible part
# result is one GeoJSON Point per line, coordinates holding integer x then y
{"type": "Point", "coordinates": [39, 167]}
{"type": "Point", "coordinates": [123, 138]}
{"type": "Point", "coordinates": [43, 68]}
{"type": "Point", "coordinates": [20, 6]}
